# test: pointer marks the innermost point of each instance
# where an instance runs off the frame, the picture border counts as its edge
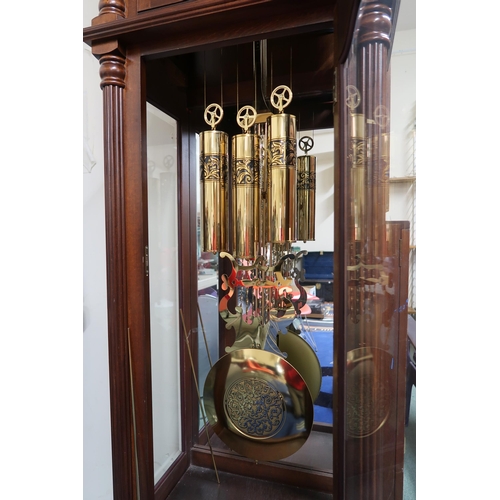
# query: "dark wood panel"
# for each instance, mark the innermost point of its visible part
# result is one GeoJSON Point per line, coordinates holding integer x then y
{"type": "Point", "coordinates": [151, 4]}
{"type": "Point", "coordinates": [201, 484]}
{"type": "Point", "coordinates": [171, 30]}
{"type": "Point", "coordinates": [404, 264]}
{"type": "Point", "coordinates": [168, 482]}
{"type": "Point", "coordinates": [345, 16]}
{"type": "Point", "coordinates": [135, 192]}
{"type": "Point", "coordinates": [340, 200]}
{"type": "Point", "coordinates": [226, 76]}
{"type": "Point", "coordinates": [283, 473]}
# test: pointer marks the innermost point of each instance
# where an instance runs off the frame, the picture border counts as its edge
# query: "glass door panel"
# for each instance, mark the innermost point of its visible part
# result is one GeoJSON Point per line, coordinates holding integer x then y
{"type": "Point", "coordinates": [376, 269]}
{"type": "Point", "coordinates": [164, 292]}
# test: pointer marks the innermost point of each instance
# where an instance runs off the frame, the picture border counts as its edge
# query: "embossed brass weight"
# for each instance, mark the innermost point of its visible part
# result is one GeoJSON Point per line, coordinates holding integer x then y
{"type": "Point", "coordinates": [246, 192]}
{"type": "Point", "coordinates": [213, 177]}
{"type": "Point", "coordinates": [258, 404]}
{"type": "Point", "coordinates": [282, 170]}
{"type": "Point", "coordinates": [306, 192]}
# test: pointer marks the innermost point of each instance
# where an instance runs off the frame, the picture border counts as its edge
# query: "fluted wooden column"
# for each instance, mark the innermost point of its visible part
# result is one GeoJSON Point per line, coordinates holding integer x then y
{"type": "Point", "coordinates": [112, 72]}
{"type": "Point", "coordinates": [368, 100]}
{"type": "Point", "coordinates": [374, 40]}
{"type": "Point", "coordinates": [372, 412]}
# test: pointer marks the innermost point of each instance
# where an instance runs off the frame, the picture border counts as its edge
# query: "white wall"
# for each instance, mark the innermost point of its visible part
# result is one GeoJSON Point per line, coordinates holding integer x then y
{"type": "Point", "coordinates": [97, 472]}
{"type": "Point", "coordinates": [403, 196]}
{"type": "Point", "coordinates": [403, 102]}
{"type": "Point", "coordinates": [403, 122]}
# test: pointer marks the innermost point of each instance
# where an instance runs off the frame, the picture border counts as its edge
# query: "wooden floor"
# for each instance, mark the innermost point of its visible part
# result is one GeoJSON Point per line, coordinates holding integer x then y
{"type": "Point", "coordinates": [201, 484]}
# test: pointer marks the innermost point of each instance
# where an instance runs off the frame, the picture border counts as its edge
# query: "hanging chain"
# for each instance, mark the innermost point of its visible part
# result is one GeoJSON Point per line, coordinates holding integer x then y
{"type": "Point", "coordinates": [204, 81]}
{"type": "Point", "coordinates": [237, 82]}
{"type": "Point", "coordinates": [221, 75]}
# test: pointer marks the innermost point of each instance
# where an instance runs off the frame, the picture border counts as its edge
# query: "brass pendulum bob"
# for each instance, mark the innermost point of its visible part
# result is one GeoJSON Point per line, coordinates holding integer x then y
{"type": "Point", "coordinates": [213, 178]}
{"type": "Point", "coordinates": [306, 191]}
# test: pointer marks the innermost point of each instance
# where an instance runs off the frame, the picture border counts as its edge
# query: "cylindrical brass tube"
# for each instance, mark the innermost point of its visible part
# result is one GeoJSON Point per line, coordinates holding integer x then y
{"type": "Point", "coordinates": [306, 198]}
{"type": "Point", "coordinates": [282, 178]}
{"type": "Point", "coordinates": [246, 173]}
{"type": "Point", "coordinates": [357, 125]}
{"type": "Point", "coordinates": [214, 194]}
{"type": "Point", "coordinates": [358, 172]}
{"type": "Point", "coordinates": [261, 130]}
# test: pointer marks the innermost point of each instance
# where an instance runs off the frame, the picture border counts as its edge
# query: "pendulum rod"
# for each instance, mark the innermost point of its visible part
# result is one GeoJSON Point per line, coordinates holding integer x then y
{"type": "Point", "coordinates": [204, 335]}
{"type": "Point", "coordinates": [133, 415]}
{"type": "Point", "coordinates": [199, 397]}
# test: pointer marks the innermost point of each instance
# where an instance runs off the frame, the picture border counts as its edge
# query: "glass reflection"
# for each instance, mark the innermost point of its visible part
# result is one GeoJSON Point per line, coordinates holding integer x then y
{"type": "Point", "coordinates": [163, 279]}
{"type": "Point", "coordinates": [376, 275]}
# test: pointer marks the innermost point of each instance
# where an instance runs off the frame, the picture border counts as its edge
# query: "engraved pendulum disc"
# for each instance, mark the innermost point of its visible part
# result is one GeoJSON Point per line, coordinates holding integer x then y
{"type": "Point", "coordinates": [258, 404]}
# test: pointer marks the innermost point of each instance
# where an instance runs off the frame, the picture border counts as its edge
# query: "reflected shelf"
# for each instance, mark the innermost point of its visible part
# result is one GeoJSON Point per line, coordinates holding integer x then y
{"type": "Point", "coordinates": [400, 180]}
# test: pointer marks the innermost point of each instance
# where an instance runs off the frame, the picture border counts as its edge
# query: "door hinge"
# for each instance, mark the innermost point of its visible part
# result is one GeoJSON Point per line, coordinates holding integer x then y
{"type": "Point", "coordinates": [146, 260]}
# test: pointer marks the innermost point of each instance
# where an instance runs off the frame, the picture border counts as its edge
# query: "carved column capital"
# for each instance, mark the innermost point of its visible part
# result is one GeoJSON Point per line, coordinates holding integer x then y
{"type": "Point", "coordinates": [109, 10]}
{"type": "Point", "coordinates": [112, 69]}
{"type": "Point", "coordinates": [375, 22]}
{"type": "Point", "coordinates": [112, 7]}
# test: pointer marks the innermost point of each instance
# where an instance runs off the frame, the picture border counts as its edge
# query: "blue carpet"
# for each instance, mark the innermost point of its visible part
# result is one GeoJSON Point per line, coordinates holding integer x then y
{"type": "Point", "coordinates": [319, 334]}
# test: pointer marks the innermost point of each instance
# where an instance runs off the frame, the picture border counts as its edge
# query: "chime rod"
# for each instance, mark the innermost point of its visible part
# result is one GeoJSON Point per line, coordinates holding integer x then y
{"type": "Point", "coordinates": [199, 397]}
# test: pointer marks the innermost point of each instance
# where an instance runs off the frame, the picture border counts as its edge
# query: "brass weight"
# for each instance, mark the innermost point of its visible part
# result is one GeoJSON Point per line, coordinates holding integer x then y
{"type": "Point", "coordinates": [282, 170]}
{"type": "Point", "coordinates": [246, 187]}
{"type": "Point", "coordinates": [214, 180]}
{"type": "Point", "coordinates": [306, 192]}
